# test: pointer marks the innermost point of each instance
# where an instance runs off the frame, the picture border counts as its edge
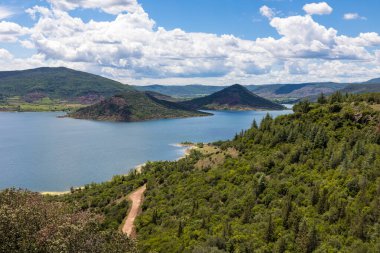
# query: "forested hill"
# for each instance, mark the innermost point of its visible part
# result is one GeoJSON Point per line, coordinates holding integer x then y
{"type": "Point", "coordinates": [368, 87]}
{"type": "Point", "coordinates": [306, 182]}
{"type": "Point", "coordinates": [134, 106]}
{"type": "Point", "coordinates": [57, 83]}
{"type": "Point", "coordinates": [235, 97]}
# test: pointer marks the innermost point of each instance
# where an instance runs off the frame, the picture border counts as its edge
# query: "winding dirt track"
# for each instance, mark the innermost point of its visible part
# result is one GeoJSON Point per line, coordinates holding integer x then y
{"type": "Point", "coordinates": [136, 198]}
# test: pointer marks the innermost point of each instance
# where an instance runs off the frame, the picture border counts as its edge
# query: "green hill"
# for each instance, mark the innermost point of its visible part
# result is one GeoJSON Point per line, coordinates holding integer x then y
{"type": "Point", "coordinates": [57, 83]}
{"type": "Point", "coordinates": [375, 80]}
{"type": "Point", "coordinates": [368, 87]}
{"type": "Point", "coordinates": [305, 182]}
{"type": "Point", "coordinates": [134, 106]}
{"type": "Point", "coordinates": [235, 97]}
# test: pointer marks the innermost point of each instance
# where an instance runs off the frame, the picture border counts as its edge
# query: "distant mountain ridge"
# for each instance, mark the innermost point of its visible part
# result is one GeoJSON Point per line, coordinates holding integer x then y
{"type": "Point", "coordinates": [68, 84]}
{"type": "Point", "coordinates": [134, 106]}
{"type": "Point", "coordinates": [375, 80]}
{"type": "Point", "coordinates": [278, 92]}
{"type": "Point", "coordinates": [362, 88]}
{"type": "Point", "coordinates": [270, 91]}
{"type": "Point", "coordinates": [235, 97]}
{"type": "Point", "coordinates": [182, 91]}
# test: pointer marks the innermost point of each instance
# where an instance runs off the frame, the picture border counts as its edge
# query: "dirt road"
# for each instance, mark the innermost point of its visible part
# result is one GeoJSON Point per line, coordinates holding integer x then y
{"type": "Point", "coordinates": [136, 198]}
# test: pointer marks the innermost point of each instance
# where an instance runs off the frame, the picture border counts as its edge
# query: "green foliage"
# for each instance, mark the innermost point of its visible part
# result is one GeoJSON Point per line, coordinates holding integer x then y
{"type": "Point", "coordinates": [302, 107]}
{"type": "Point", "coordinates": [57, 83]}
{"type": "Point", "coordinates": [30, 223]}
{"type": "Point", "coordinates": [108, 199]}
{"type": "Point", "coordinates": [302, 183]}
{"type": "Point", "coordinates": [306, 182]}
{"type": "Point", "coordinates": [322, 99]}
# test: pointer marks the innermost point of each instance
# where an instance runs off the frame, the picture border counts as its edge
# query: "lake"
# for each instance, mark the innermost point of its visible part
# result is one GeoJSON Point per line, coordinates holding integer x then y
{"type": "Point", "coordinates": [41, 152]}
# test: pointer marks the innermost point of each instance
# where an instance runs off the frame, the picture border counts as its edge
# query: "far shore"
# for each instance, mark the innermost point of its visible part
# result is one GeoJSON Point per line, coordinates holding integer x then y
{"type": "Point", "coordinates": [138, 168]}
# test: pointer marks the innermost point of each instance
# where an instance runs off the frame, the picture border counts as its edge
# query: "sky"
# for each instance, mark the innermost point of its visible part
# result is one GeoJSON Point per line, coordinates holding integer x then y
{"type": "Point", "coordinates": [214, 42]}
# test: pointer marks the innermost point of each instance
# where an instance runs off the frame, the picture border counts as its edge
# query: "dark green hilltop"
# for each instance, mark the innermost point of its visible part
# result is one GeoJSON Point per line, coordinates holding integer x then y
{"type": "Point", "coordinates": [235, 97]}
{"type": "Point", "coordinates": [57, 83]}
{"type": "Point", "coordinates": [370, 86]}
{"type": "Point", "coordinates": [134, 106]}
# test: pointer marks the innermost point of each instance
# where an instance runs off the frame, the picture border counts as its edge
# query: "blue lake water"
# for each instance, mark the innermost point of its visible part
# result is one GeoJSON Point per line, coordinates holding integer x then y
{"type": "Point", "coordinates": [41, 152]}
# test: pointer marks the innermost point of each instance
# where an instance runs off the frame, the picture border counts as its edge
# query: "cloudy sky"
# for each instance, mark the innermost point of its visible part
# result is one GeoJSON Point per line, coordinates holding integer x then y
{"type": "Point", "coordinates": [195, 41]}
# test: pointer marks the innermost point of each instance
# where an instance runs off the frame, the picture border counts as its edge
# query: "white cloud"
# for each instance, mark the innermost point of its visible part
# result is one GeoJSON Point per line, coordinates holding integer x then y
{"type": "Point", "coordinates": [131, 48]}
{"type": "Point", "coordinates": [143, 51]}
{"type": "Point", "coordinates": [108, 6]}
{"type": "Point", "coordinates": [301, 37]}
{"type": "Point", "coordinates": [371, 39]}
{"type": "Point", "coordinates": [267, 12]}
{"type": "Point", "coordinates": [352, 16]}
{"type": "Point", "coordinates": [10, 32]}
{"type": "Point", "coordinates": [377, 56]}
{"type": "Point", "coordinates": [5, 12]}
{"type": "Point", "coordinates": [321, 8]}
{"type": "Point", "coordinates": [5, 55]}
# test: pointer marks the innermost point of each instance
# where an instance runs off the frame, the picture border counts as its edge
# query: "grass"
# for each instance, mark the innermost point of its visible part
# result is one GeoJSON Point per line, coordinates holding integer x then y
{"type": "Point", "coordinates": [16, 104]}
{"type": "Point", "coordinates": [376, 107]}
{"type": "Point", "coordinates": [214, 156]}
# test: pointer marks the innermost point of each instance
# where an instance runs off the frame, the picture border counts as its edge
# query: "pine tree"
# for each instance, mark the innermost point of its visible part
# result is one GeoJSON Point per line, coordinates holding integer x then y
{"type": "Point", "coordinates": [313, 240]}
{"type": "Point", "coordinates": [315, 195]}
{"type": "Point", "coordinates": [155, 217]}
{"type": "Point", "coordinates": [302, 237]}
{"type": "Point", "coordinates": [322, 99]}
{"type": "Point", "coordinates": [269, 234]}
{"type": "Point", "coordinates": [254, 124]}
{"type": "Point", "coordinates": [322, 205]}
{"type": "Point", "coordinates": [281, 245]}
{"type": "Point", "coordinates": [180, 229]}
{"type": "Point", "coordinates": [286, 212]}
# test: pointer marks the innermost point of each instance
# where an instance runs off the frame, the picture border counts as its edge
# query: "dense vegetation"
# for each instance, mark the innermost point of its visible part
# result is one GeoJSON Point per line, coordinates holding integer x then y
{"type": "Point", "coordinates": [300, 183]}
{"type": "Point", "coordinates": [235, 97]}
{"type": "Point", "coordinates": [31, 223]}
{"type": "Point", "coordinates": [134, 106]}
{"type": "Point", "coordinates": [56, 83]}
{"type": "Point", "coordinates": [306, 182]}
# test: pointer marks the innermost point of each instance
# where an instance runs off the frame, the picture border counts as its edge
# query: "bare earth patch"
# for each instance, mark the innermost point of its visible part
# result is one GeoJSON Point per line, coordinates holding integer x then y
{"type": "Point", "coordinates": [214, 156]}
{"type": "Point", "coordinates": [136, 198]}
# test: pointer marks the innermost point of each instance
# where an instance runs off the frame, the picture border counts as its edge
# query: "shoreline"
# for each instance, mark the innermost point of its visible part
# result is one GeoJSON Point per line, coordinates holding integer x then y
{"type": "Point", "coordinates": [138, 168]}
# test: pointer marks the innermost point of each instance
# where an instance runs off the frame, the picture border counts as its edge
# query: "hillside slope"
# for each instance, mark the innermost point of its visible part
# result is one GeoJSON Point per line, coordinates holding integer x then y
{"type": "Point", "coordinates": [57, 83]}
{"type": "Point", "coordinates": [235, 97]}
{"type": "Point", "coordinates": [296, 91]}
{"type": "Point", "coordinates": [368, 87]}
{"type": "Point", "coordinates": [306, 182]}
{"type": "Point", "coordinates": [134, 106]}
